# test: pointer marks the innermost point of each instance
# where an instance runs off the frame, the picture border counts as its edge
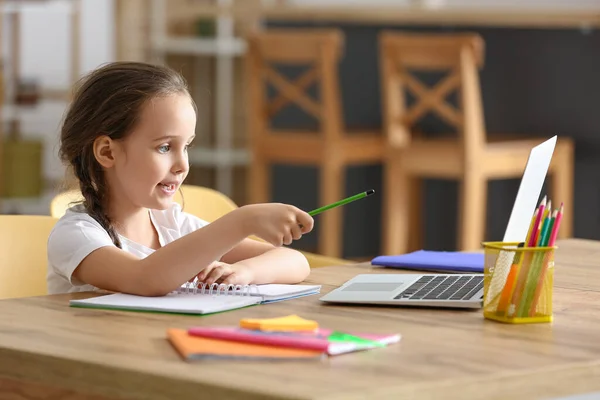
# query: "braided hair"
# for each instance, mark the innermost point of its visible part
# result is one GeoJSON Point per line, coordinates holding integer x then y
{"type": "Point", "coordinates": [108, 102]}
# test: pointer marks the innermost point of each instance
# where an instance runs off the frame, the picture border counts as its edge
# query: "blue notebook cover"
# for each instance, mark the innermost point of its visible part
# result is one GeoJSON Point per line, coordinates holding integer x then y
{"type": "Point", "coordinates": [444, 261]}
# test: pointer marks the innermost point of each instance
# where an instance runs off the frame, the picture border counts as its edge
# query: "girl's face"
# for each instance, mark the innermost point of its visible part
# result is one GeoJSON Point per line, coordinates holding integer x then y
{"type": "Point", "coordinates": [152, 161]}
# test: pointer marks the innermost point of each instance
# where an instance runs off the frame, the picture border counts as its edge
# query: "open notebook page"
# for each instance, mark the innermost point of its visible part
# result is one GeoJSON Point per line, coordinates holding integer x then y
{"type": "Point", "coordinates": [185, 303]}
{"type": "Point", "coordinates": [269, 292]}
{"type": "Point", "coordinates": [274, 291]}
{"type": "Point", "coordinates": [198, 303]}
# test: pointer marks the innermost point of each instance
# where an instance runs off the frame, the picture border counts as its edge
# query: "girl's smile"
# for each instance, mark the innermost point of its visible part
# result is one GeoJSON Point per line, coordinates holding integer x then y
{"type": "Point", "coordinates": [169, 188]}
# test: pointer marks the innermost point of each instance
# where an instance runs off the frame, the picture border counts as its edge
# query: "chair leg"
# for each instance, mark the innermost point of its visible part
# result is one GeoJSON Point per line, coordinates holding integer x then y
{"type": "Point", "coordinates": [561, 186]}
{"type": "Point", "coordinates": [332, 184]}
{"type": "Point", "coordinates": [396, 211]}
{"type": "Point", "coordinates": [259, 189]}
{"type": "Point", "coordinates": [472, 215]}
{"type": "Point", "coordinates": [416, 222]}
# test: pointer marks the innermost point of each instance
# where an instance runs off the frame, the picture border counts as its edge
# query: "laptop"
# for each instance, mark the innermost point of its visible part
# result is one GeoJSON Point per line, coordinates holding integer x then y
{"type": "Point", "coordinates": [450, 290]}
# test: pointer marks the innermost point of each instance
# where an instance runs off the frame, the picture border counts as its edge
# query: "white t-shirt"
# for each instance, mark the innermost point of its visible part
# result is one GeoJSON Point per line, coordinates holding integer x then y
{"type": "Point", "coordinates": [77, 234]}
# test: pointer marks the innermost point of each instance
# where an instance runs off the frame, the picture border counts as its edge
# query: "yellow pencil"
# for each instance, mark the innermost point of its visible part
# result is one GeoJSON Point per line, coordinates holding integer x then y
{"type": "Point", "coordinates": [548, 208]}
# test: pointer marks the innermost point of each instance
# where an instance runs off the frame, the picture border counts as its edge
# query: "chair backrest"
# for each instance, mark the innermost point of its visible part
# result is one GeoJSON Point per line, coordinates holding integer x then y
{"type": "Point", "coordinates": [205, 203]}
{"type": "Point", "coordinates": [320, 50]}
{"type": "Point", "coordinates": [460, 55]}
{"type": "Point", "coordinates": [202, 202]}
{"type": "Point", "coordinates": [23, 254]}
{"type": "Point", "coordinates": [62, 201]}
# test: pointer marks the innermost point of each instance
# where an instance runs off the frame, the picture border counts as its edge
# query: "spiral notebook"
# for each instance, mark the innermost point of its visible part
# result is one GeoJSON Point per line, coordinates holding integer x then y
{"type": "Point", "coordinates": [201, 299]}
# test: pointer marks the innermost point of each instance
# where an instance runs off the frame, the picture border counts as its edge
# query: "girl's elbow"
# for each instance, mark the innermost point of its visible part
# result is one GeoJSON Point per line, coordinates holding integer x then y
{"type": "Point", "coordinates": [304, 268]}
{"type": "Point", "coordinates": [154, 292]}
{"type": "Point", "coordinates": [153, 287]}
{"type": "Point", "coordinates": [298, 266]}
{"type": "Point", "coordinates": [146, 290]}
{"type": "Point", "coordinates": [306, 273]}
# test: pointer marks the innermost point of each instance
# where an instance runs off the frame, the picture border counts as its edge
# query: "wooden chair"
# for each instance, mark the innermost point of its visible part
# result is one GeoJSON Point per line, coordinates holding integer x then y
{"type": "Point", "coordinates": [205, 203]}
{"type": "Point", "coordinates": [469, 156]}
{"type": "Point", "coordinates": [329, 147]}
{"type": "Point", "coordinates": [23, 255]}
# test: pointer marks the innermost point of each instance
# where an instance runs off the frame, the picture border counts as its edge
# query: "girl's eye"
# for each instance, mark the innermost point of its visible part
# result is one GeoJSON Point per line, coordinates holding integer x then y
{"type": "Point", "coordinates": [187, 146]}
{"type": "Point", "coordinates": [164, 148]}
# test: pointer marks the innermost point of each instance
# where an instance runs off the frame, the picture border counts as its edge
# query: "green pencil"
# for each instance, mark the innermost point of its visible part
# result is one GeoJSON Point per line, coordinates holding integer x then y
{"type": "Point", "coordinates": [341, 202]}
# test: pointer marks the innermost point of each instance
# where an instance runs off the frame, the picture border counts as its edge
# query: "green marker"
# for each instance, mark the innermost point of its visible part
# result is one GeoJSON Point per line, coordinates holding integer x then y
{"type": "Point", "coordinates": [341, 202]}
{"type": "Point", "coordinates": [341, 337]}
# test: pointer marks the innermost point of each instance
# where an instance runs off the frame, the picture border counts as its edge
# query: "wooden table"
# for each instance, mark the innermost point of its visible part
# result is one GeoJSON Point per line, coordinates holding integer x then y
{"type": "Point", "coordinates": [63, 352]}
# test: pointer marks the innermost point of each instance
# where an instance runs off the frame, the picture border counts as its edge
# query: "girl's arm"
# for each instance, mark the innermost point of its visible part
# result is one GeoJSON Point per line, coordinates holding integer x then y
{"type": "Point", "coordinates": [163, 271]}
{"type": "Point", "coordinates": [267, 263]}
{"type": "Point", "coordinates": [167, 268]}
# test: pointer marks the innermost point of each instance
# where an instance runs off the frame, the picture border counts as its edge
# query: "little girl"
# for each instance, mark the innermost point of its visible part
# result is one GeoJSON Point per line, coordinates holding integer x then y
{"type": "Point", "coordinates": [126, 136]}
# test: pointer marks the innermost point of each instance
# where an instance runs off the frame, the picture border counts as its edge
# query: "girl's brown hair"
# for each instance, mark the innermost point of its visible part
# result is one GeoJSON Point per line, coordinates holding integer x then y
{"type": "Point", "coordinates": [108, 102]}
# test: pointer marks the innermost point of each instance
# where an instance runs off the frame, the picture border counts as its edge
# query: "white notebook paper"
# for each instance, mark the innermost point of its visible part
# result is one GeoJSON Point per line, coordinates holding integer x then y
{"type": "Point", "coordinates": [201, 300]}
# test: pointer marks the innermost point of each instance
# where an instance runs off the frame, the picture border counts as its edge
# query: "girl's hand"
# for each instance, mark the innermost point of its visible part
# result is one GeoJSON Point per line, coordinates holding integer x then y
{"type": "Point", "coordinates": [241, 275]}
{"type": "Point", "coordinates": [276, 223]}
{"type": "Point", "coordinates": [220, 272]}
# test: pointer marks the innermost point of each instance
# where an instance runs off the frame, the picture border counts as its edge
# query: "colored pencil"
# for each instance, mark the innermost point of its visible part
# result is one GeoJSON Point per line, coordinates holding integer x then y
{"type": "Point", "coordinates": [556, 226]}
{"type": "Point", "coordinates": [530, 231]}
{"type": "Point", "coordinates": [525, 261]}
{"type": "Point", "coordinates": [545, 218]}
{"type": "Point", "coordinates": [341, 202]}
{"type": "Point", "coordinates": [545, 232]}
{"type": "Point", "coordinates": [509, 284]}
{"type": "Point", "coordinates": [537, 225]}
{"type": "Point", "coordinates": [534, 270]}
{"type": "Point", "coordinates": [556, 218]}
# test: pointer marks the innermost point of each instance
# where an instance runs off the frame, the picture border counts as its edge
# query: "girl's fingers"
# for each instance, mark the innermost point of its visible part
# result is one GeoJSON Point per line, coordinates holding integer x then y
{"type": "Point", "coordinates": [287, 237]}
{"type": "Point", "coordinates": [217, 273]}
{"type": "Point", "coordinates": [305, 221]}
{"type": "Point", "coordinates": [214, 275]}
{"type": "Point", "coordinates": [230, 279]}
{"type": "Point", "coordinates": [204, 272]}
{"type": "Point", "coordinates": [296, 232]}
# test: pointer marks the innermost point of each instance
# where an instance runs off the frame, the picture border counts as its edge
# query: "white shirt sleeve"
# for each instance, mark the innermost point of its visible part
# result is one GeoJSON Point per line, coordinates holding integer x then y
{"type": "Point", "coordinates": [73, 238]}
{"type": "Point", "coordinates": [187, 223]}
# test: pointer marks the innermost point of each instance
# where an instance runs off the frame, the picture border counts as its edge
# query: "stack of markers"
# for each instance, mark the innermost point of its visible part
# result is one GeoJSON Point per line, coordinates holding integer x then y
{"type": "Point", "coordinates": [531, 278]}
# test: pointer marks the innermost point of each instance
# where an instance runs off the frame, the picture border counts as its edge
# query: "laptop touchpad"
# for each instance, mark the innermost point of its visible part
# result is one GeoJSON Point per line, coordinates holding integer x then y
{"type": "Point", "coordinates": [372, 287]}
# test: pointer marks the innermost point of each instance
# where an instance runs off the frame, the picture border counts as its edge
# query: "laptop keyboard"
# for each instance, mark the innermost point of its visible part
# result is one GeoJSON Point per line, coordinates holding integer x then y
{"type": "Point", "coordinates": [443, 287]}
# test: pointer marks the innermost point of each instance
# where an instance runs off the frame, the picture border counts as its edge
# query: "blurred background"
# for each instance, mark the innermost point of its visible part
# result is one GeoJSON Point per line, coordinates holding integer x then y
{"type": "Point", "coordinates": [538, 77]}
